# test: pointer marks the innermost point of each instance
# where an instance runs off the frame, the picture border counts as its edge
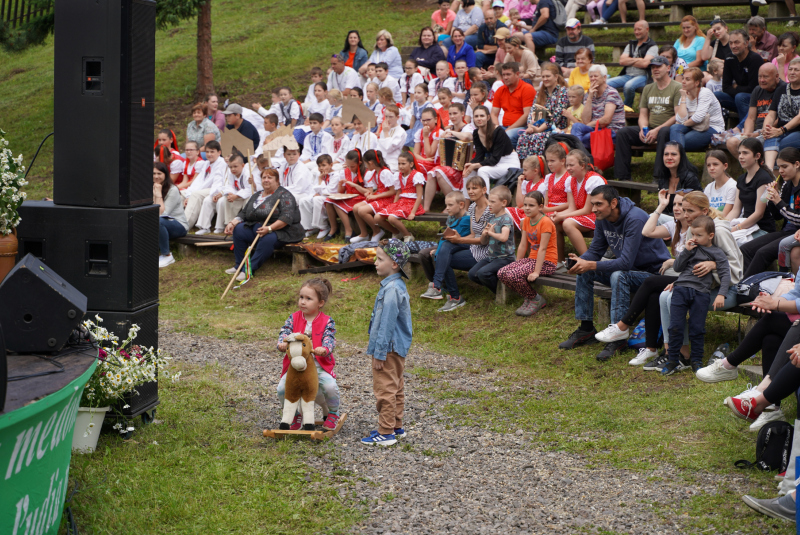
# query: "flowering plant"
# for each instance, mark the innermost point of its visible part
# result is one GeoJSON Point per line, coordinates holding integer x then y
{"type": "Point", "coordinates": [12, 178]}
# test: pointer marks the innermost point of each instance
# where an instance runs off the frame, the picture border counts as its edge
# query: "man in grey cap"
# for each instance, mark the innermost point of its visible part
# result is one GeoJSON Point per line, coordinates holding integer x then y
{"type": "Point", "coordinates": [569, 44]}
{"type": "Point", "coordinates": [233, 118]}
{"type": "Point", "coordinates": [657, 109]}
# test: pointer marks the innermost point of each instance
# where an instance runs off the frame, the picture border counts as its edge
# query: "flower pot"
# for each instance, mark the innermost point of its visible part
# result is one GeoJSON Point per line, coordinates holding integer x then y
{"type": "Point", "coordinates": [8, 253]}
{"type": "Point", "coordinates": [87, 428]}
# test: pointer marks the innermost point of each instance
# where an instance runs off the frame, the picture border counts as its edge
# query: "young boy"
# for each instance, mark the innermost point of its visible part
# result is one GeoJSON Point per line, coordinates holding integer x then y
{"type": "Point", "coordinates": [498, 234]}
{"type": "Point", "coordinates": [363, 139]}
{"type": "Point", "coordinates": [690, 293]}
{"type": "Point", "coordinates": [457, 220]}
{"type": "Point", "coordinates": [498, 7]}
{"type": "Point", "coordinates": [210, 178]}
{"type": "Point", "coordinates": [715, 70]}
{"type": "Point", "coordinates": [296, 178]}
{"type": "Point", "coordinates": [327, 184]}
{"type": "Point", "coordinates": [316, 77]}
{"type": "Point", "coordinates": [386, 80]}
{"type": "Point", "coordinates": [442, 74]}
{"type": "Point", "coordinates": [289, 109]}
{"type": "Point", "coordinates": [390, 334]}
{"type": "Point", "coordinates": [228, 197]}
{"type": "Point", "coordinates": [573, 113]}
{"type": "Point", "coordinates": [275, 108]}
{"type": "Point", "coordinates": [372, 77]}
{"type": "Point", "coordinates": [316, 143]}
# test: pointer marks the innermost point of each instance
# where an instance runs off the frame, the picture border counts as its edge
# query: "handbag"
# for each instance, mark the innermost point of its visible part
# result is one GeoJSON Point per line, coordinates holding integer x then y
{"type": "Point", "coordinates": [602, 147]}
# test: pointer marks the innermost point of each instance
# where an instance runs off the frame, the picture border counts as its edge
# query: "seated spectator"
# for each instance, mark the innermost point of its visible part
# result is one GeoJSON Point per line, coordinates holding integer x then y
{"type": "Point", "coordinates": [494, 152]}
{"type": "Point", "coordinates": [214, 115]}
{"type": "Point", "coordinates": [385, 52]}
{"type": "Point", "coordinates": [782, 125]}
{"type": "Point", "coordinates": [544, 31]}
{"type": "Point", "coordinates": [363, 139]}
{"type": "Point", "coordinates": [392, 137]}
{"type": "Point", "coordinates": [574, 113]}
{"type": "Point", "coordinates": [580, 74]}
{"type": "Point", "coordinates": [352, 182]}
{"type": "Point", "coordinates": [274, 108]}
{"type": "Point", "coordinates": [498, 236]}
{"type": "Point", "coordinates": [340, 143]}
{"type": "Point", "coordinates": [409, 81]}
{"type": "Point", "coordinates": [298, 180]}
{"type": "Point", "coordinates": [487, 47]}
{"type": "Point", "coordinates": [716, 47]}
{"type": "Point", "coordinates": [441, 176]}
{"type": "Point", "coordinates": [282, 228]}
{"type": "Point", "coordinates": [501, 37]}
{"type": "Point", "coordinates": [407, 201]}
{"type": "Point", "coordinates": [739, 76]}
{"type": "Point", "coordinates": [673, 173]}
{"type": "Point", "coordinates": [460, 49]}
{"type": "Point", "coordinates": [442, 76]}
{"type": "Point", "coordinates": [601, 104]}
{"type": "Point", "coordinates": [172, 221]}
{"type": "Point", "coordinates": [748, 211]}
{"type": "Point", "coordinates": [478, 96]}
{"type": "Point", "coordinates": [327, 184]}
{"type": "Point", "coordinates": [372, 102]}
{"type": "Point", "coordinates": [721, 191]}
{"type": "Point", "coordinates": [469, 18]}
{"type": "Point", "coordinates": [387, 185]}
{"type": "Point", "coordinates": [289, 111]}
{"type": "Point", "coordinates": [342, 77]}
{"type": "Point", "coordinates": [459, 84]}
{"type": "Point", "coordinates": [658, 106]}
{"type": "Point", "coordinates": [761, 41]}
{"type": "Point", "coordinates": [578, 219]}
{"type": "Point", "coordinates": [567, 46]}
{"type": "Point", "coordinates": [388, 81]}
{"type": "Point", "coordinates": [458, 221]}
{"type": "Point", "coordinates": [515, 98]}
{"type": "Point", "coordinates": [233, 117]}
{"type": "Point", "coordinates": [518, 27]}
{"type": "Point", "coordinates": [311, 97]}
{"type": "Point", "coordinates": [213, 175]}
{"type": "Point", "coordinates": [529, 69]}
{"type": "Point", "coordinates": [636, 259]}
{"type": "Point", "coordinates": [699, 115]}
{"type": "Point", "coordinates": [525, 9]}
{"type": "Point", "coordinates": [193, 166]}
{"type": "Point", "coordinates": [635, 61]}
{"type": "Point", "coordinates": [532, 178]}
{"type": "Point", "coordinates": [444, 16]}
{"type": "Point", "coordinates": [316, 143]}
{"type": "Point", "coordinates": [320, 104]}
{"type": "Point", "coordinates": [553, 98]}
{"type": "Point", "coordinates": [169, 157]}
{"type": "Point", "coordinates": [354, 53]}
{"type": "Point", "coordinates": [691, 41]}
{"type": "Point", "coordinates": [676, 64]}
{"type": "Point", "coordinates": [787, 51]}
{"type": "Point", "coordinates": [623, 10]}
{"type": "Point", "coordinates": [426, 143]}
{"type": "Point", "coordinates": [713, 77]}
{"type": "Point", "coordinates": [428, 53]}
{"type": "Point", "coordinates": [270, 125]}
{"type": "Point", "coordinates": [201, 129]}
{"type": "Point", "coordinates": [227, 198]}
{"type": "Point", "coordinates": [761, 98]}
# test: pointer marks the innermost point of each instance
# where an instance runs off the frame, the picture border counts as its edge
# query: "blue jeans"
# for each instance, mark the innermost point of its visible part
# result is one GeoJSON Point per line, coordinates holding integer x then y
{"type": "Point", "coordinates": [608, 11]}
{"type": "Point", "coordinates": [455, 257]}
{"type": "Point", "coordinates": [665, 303]}
{"type": "Point", "coordinates": [740, 104]}
{"type": "Point", "coordinates": [781, 142]}
{"type": "Point", "coordinates": [690, 139]}
{"type": "Point", "coordinates": [696, 304]}
{"type": "Point", "coordinates": [485, 271]}
{"type": "Point", "coordinates": [629, 84]}
{"type": "Point", "coordinates": [584, 133]}
{"type": "Point", "coordinates": [483, 60]}
{"type": "Point", "coordinates": [623, 284]}
{"type": "Point", "coordinates": [168, 229]}
{"type": "Point", "coordinates": [543, 38]}
{"type": "Point", "coordinates": [471, 40]}
{"type": "Point", "coordinates": [243, 236]}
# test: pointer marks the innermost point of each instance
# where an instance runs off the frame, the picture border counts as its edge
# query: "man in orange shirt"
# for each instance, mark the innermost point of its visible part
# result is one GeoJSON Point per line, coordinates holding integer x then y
{"type": "Point", "coordinates": [515, 98]}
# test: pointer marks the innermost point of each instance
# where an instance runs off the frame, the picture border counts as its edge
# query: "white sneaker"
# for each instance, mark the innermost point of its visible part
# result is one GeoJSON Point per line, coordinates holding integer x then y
{"type": "Point", "coordinates": [643, 356]}
{"type": "Point", "coordinates": [769, 415]}
{"type": "Point", "coordinates": [309, 233]}
{"type": "Point", "coordinates": [230, 271]}
{"type": "Point", "coordinates": [561, 267]}
{"type": "Point", "coordinates": [164, 261]}
{"type": "Point", "coordinates": [759, 2]}
{"type": "Point", "coordinates": [202, 232]}
{"type": "Point", "coordinates": [241, 276]}
{"type": "Point", "coordinates": [356, 239]}
{"type": "Point", "coordinates": [219, 231]}
{"type": "Point", "coordinates": [596, 22]}
{"type": "Point", "coordinates": [716, 372]}
{"type": "Point", "coordinates": [612, 333]}
{"type": "Point", "coordinates": [408, 239]}
{"type": "Point", "coordinates": [378, 236]}
{"type": "Point", "coordinates": [323, 233]}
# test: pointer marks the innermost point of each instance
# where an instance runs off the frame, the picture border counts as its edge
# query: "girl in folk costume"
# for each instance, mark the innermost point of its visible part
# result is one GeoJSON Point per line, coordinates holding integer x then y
{"type": "Point", "coordinates": [387, 186]}
{"type": "Point", "coordinates": [420, 104]}
{"type": "Point", "coordinates": [352, 183]}
{"type": "Point", "coordinates": [166, 138]}
{"type": "Point", "coordinates": [534, 171]}
{"type": "Point", "coordinates": [386, 97]}
{"type": "Point", "coordinates": [459, 85]}
{"type": "Point", "coordinates": [443, 72]}
{"type": "Point", "coordinates": [172, 159]}
{"type": "Point", "coordinates": [311, 321]}
{"type": "Point", "coordinates": [363, 140]}
{"type": "Point", "coordinates": [578, 219]}
{"type": "Point", "coordinates": [409, 80]}
{"type": "Point", "coordinates": [408, 201]}
{"type": "Point", "coordinates": [341, 143]}
{"type": "Point", "coordinates": [372, 102]}
{"type": "Point", "coordinates": [478, 96]}
{"type": "Point", "coordinates": [442, 107]}
{"type": "Point", "coordinates": [554, 188]}
{"type": "Point", "coordinates": [392, 137]}
{"type": "Point", "coordinates": [193, 165]}
{"type": "Point", "coordinates": [443, 177]}
{"type": "Point", "coordinates": [426, 143]}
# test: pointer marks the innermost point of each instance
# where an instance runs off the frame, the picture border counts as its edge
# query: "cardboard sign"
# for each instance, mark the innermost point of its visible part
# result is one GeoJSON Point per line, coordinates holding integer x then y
{"type": "Point", "coordinates": [355, 107]}
{"type": "Point", "coordinates": [233, 141]}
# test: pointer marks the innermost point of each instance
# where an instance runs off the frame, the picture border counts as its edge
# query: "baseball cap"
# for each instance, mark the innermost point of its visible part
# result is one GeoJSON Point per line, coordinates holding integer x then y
{"type": "Point", "coordinates": [502, 33]}
{"type": "Point", "coordinates": [659, 60]}
{"type": "Point", "coordinates": [399, 253]}
{"type": "Point", "coordinates": [573, 23]}
{"type": "Point", "coordinates": [233, 108]}
{"type": "Point", "coordinates": [498, 3]}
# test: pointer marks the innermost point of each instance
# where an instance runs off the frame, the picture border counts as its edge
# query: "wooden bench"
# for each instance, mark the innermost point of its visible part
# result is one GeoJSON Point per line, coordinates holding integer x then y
{"type": "Point", "coordinates": [680, 8]}
{"type": "Point", "coordinates": [633, 190]}
{"type": "Point", "coordinates": [299, 254]}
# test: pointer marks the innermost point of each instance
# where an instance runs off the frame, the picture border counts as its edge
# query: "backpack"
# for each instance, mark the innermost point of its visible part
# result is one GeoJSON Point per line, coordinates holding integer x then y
{"type": "Point", "coordinates": [560, 15]}
{"type": "Point", "coordinates": [773, 448]}
{"type": "Point", "coordinates": [638, 339]}
{"type": "Point", "coordinates": [749, 288]}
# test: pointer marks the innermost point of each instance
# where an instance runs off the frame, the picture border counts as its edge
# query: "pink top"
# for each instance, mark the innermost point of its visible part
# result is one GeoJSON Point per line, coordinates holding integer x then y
{"type": "Point", "coordinates": [525, 7]}
{"type": "Point", "coordinates": [437, 18]}
{"type": "Point", "coordinates": [218, 118]}
{"type": "Point", "coordinates": [785, 68]}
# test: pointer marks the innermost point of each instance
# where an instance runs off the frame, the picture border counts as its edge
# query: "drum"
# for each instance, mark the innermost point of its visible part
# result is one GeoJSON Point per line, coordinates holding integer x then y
{"type": "Point", "coordinates": [454, 153]}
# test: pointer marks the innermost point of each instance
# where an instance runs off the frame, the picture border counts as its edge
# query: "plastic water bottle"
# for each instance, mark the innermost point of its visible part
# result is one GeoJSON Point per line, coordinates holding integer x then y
{"type": "Point", "coordinates": [765, 195]}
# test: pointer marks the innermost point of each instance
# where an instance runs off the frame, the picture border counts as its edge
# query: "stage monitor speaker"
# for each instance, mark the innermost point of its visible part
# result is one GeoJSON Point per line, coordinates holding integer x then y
{"type": "Point", "coordinates": [110, 255]}
{"type": "Point", "coordinates": [120, 322]}
{"type": "Point", "coordinates": [3, 372]}
{"type": "Point", "coordinates": [40, 309]}
{"type": "Point", "coordinates": [104, 86]}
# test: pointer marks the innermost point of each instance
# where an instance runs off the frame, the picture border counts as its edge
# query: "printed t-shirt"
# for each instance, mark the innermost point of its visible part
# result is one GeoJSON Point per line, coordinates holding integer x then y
{"type": "Point", "coordinates": [660, 102]}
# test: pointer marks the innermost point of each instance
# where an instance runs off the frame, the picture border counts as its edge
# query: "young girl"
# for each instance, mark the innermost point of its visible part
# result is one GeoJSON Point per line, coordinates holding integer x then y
{"type": "Point", "coordinates": [578, 219]}
{"type": "Point", "coordinates": [311, 321]}
{"type": "Point", "coordinates": [715, 71]}
{"type": "Point", "coordinates": [371, 100]}
{"type": "Point", "coordinates": [374, 203]}
{"type": "Point", "coordinates": [534, 171]}
{"type": "Point", "coordinates": [426, 143]}
{"type": "Point", "coordinates": [460, 85]}
{"type": "Point", "coordinates": [478, 95]}
{"type": "Point", "coordinates": [193, 166]}
{"type": "Point", "coordinates": [354, 172]}
{"type": "Point", "coordinates": [327, 184]}
{"type": "Point", "coordinates": [363, 139]}
{"type": "Point", "coordinates": [392, 137]}
{"type": "Point", "coordinates": [321, 104]}
{"type": "Point", "coordinates": [409, 80]}
{"type": "Point", "coordinates": [172, 159]}
{"type": "Point", "coordinates": [420, 104]}
{"type": "Point", "coordinates": [166, 138]}
{"type": "Point", "coordinates": [341, 143]}
{"type": "Point", "coordinates": [407, 202]}
{"type": "Point", "coordinates": [536, 255]}
{"type": "Point", "coordinates": [442, 107]}
{"type": "Point", "coordinates": [554, 190]}
{"type": "Point", "coordinates": [575, 110]}
{"type": "Point", "coordinates": [748, 210]}
{"type": "Point", "coordinates": [721, 192]}
{"type": "Point", "coordinates": [443, 177]}
{"type": "Point", "coordinates": [290, 113]}
{"type": "Point", "coordinates": [442, 75]}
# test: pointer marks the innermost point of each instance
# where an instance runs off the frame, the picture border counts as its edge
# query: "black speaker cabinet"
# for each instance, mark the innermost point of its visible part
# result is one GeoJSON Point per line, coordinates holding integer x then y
{"type": "Point", "coordinates": [104, 98]}
{"type": "Point", "coordinates": [120, 322]}
{"type": "Point", "coordinates": [110, 255]}
{"type": "Point", "coordinates": [3, 372]}
{"type": "Point", "coordinates": [40, 309]}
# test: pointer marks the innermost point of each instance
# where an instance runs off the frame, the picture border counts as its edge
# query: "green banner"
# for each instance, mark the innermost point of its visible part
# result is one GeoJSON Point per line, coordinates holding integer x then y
{"type": "Point", "coordinates": [35, 450]}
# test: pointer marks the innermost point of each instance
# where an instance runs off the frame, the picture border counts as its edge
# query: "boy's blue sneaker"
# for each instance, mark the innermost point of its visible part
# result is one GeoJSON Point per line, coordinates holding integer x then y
{"type": "Point", "coordinates": [670, 368]}
{"type": "Point", "coordinates": [376, 439]}
{"type": "Point", "coordinates": [399, 432]}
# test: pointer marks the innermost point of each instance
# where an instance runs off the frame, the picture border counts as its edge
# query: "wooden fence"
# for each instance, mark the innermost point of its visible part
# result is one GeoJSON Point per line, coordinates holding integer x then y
{"type": "Point", "coordinates": [14, 13]}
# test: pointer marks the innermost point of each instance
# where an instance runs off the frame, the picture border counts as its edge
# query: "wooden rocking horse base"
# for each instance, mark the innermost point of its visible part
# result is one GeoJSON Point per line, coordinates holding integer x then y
{"type": "Point", "coordinates": [314, 435]}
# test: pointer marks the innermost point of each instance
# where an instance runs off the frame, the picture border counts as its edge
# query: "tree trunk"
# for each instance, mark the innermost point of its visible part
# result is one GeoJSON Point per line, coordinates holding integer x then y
{"type": "Point", "coordinates": [205, 70]}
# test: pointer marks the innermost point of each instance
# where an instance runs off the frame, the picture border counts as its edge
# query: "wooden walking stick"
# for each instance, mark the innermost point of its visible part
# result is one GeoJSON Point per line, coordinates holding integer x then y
{"type": "Point", "coordinates": [247, 253]}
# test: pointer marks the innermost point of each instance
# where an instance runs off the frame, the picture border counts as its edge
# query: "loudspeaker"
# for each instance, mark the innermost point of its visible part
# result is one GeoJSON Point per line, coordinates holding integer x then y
{"type": "Point", "coordinates": [40, 309]}
{"type": "Point", "coordinates": [3, 372]}
{"type": "Point", "coordinates": [109, 255]}
{"type": "Point", "coordinates": [120, 322]}
{"type": "Point", "coordinates": [104, 83]}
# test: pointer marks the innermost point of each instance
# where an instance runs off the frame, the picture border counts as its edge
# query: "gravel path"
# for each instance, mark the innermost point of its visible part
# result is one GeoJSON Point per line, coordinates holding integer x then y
{"type": "Point", "coordinates": [444, 477]}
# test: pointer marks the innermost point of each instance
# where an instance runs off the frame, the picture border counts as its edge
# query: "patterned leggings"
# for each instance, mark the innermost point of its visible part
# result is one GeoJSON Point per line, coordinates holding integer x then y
{"type": "Point", "coordinates": [515, 275]}
{"type": "Point", "coordinates": [327, 395]}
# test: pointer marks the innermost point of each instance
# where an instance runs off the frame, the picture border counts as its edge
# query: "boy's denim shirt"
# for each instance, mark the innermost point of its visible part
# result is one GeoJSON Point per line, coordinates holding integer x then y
{"type": "Point", "coordinates": [390, 324]}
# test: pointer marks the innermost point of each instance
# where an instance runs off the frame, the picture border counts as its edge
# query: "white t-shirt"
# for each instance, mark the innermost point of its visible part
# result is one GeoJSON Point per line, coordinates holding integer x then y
{"type": "Point", "coordinates": [392, 83]}
{"type": "Point", "coordinates": [670, 226]}
{"type": "Point", "coordinates": [718, 198]}
{"type": "Point", "coordinates": [592, 182]}
{"type": "Point", "coordinates": [347, 80]}
{"type": "Point", "coordinates": [323, 108]}
{"type": "Point", "coordinates": [488, 105]}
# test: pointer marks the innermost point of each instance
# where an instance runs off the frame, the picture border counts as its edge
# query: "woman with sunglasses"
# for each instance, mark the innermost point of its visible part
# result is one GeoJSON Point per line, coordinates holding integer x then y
{"type": "Point", "coordinates": [675, 172]}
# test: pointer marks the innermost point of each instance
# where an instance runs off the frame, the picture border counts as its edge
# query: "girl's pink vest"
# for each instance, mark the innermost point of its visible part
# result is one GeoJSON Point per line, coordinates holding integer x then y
{"type": "Point", "coordinates": [317, 330]}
